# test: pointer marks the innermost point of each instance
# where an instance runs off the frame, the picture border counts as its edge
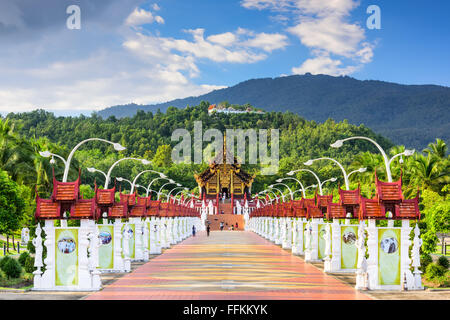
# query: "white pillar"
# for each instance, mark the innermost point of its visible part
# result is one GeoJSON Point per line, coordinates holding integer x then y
{"type": "Point", "coordinates": [404, 255]}
{"type": "Point", "coordinates": [372, 247]}
{"type": "Point", "coordinates": [119, 263]}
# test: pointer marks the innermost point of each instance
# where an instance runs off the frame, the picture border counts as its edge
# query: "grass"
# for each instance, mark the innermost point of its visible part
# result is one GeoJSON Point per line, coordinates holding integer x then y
{"type": "Point", "coordinates": [25, 281]}
{"type": "Point", "coordinates": [439, 250]}
{"type": "Point", "coordinates": [11, 250]}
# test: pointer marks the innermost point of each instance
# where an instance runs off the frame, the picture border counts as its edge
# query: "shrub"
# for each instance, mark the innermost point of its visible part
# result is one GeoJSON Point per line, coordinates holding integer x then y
{"type": "Point", "coordinates": [23, 258]}
{"type": "Point", "coordinates": [4, 261]}
{"type": "Point", "coordinates": [425, 260]}
{"type": "Point", "coordinates": [434, 271]}
{"type": "Point", "coordinates": [12, 268]}
{"type": "Point", "coordinates": [30, 247]}
{"type": "Point", "coordinates": [29, 264]}
{"type": "Point", "coordinates": [443, 262]}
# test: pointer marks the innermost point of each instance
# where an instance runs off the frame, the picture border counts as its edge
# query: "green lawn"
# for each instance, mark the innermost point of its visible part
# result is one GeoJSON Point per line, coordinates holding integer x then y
{"type": "Point", "coordinates": [439, 250]}
{"type": "Point", "coordinates": [11, 250]}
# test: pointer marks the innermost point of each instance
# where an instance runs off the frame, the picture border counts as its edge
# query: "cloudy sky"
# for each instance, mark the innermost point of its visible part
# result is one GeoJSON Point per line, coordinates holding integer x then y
{"type": "Point", "coordinates": [154, 51]}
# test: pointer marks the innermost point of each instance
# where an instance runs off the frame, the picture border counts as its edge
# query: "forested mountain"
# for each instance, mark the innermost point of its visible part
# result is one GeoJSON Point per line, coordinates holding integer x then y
{"type": "Point", "coordinates": [412, 115]}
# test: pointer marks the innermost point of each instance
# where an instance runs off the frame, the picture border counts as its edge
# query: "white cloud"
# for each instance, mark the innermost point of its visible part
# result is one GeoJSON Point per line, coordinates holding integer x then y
{"type": "Point", "coordinates": [323, 27]}
{"type": "Point", "coordinates": [225, 39]}
{"type": "Point", "coordinates": [140, 16]}
{"type": "Point", "coordinates": [268, 42]}
{"type": "Point", "coordinates": [324, 65]}
{"type": "Point", "coordinates": [330, 34]}
{"type": "Point", "coordinates": [225, 47]}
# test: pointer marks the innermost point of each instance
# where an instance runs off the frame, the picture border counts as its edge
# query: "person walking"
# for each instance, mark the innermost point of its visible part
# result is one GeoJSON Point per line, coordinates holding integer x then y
{"type": "Point", "coordinates": [193, 231]}
{"type": "Point", "coordinates": [207, 230]}
{"type": "Point", "coordinates": [221, 226]}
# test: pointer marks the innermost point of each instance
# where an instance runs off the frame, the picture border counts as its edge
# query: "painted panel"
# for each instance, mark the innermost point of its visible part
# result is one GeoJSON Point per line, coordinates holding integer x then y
{"type": "Point", "coordinates": [66, 256]}
{"type": "Point", "coordinates": [132, 228]}
{"type": "Point", "coordinates": [321, 229]}
{"type": "Point", "coordinates": [389, 256]}
{"type": "Point", "coordinates": [106, 249]}
{"type": "Point", "coordinates": [349, 251]}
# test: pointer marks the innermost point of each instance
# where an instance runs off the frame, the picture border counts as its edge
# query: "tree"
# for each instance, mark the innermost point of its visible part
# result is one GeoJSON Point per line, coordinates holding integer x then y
{"type": "Point", "coordinates": [11, 205]}
{"type": "Point", "coordinates": [163, 156]}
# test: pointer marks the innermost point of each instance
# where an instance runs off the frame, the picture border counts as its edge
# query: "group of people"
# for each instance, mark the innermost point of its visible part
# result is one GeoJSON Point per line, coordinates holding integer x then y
{"type": "Point", "coordinates": [208, 228]}
{"type": "Point", "coordinates": [232, 227]}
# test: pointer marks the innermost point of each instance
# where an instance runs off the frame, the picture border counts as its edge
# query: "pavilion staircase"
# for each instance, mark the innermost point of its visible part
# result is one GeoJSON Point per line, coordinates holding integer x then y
{"type": "Point", "coordinates": [228, 218]}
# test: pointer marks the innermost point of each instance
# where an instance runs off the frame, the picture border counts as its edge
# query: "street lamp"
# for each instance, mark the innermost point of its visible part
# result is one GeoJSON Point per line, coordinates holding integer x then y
{"type": "Point", "coordinates": [175, 196]}
{"type": "Point", "coordinates": [266, 192]}
{"type": "Point", "coordinates": [151, 182]}
{"type": "Point", "coordinates": [165, 184]}
{"type": "Point", "coordinates": [120, 179]}
{"type": "Point", "coordinates": [282, 195]}
{"type": "Point", "coordinates": [162, 175]}
{"type": "Point", "coordinates": [308, 187]}
{"type": "Point", "coordinates": [291, 178]}
{"type": "Point", "coordinates": [360, 170]}
{"type": "Point", "coordinates": [47, 154]}
{"type": "Point", "coordinates": [168, 195]}
{"type": "Point", "coordinates": [387, 161]}
{"type": "Point", "coordinates": [283, 184]}
{"type": "Point", "coordinates": [331, 179]}
{"type": "Point", "coordinates": [92, 170]}
{"type": "Point", "coordinates": [108, 175]}
{"type": "Point", "coordinates": [315, 175]}
{"type": "Point", "coordinates": [347, 187]}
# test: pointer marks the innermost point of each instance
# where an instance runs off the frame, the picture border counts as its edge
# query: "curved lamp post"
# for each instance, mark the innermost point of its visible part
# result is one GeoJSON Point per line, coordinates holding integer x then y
{"type": "Point", "coordinates": [331, 179]}
{"type": "Point", "coordinates": [126, 180]}
{"type": "Point", "coordinates": [67, 162]}
{"type": "Point", "coordinates": [265, 201]}
{"type": "Point", "coordinates": [387, 161]}
{"type": "Point", "coordinates": [108, 175]}
{"type": "Point", "coordinates": [282, 195]}
{"type": "Point", "coordinates": [165, 184]}
{"type": "Point", "coordinates": [344, 173]}
{"type": "Point", "coordinates": [162, 175]}
{"type": "Point", "coordinates": [308, 187]}
{"type": "Point", "coordinates": [168, 195]}
{"type": "Point", "coordinates": [285, 185]}
{"type": "Point", "coordinates": [312, 172]}
{"type": "Point", "coordinates": [266, 192]}
{"type": "Point", "coordinates": [298, 181]}
{"type": "Point", "coordinates": [151, 182]}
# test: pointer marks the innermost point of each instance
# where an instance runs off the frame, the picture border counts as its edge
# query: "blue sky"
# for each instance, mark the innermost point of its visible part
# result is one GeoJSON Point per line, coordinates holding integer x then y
{"type": "Point", "coordinates": [154, 51]}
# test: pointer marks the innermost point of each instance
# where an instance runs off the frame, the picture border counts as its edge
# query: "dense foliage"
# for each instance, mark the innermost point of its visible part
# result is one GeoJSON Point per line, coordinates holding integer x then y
{"type": "Point", "coordinates": [412, 115]}
{"type": "Point", "coordinates": [148, 135]}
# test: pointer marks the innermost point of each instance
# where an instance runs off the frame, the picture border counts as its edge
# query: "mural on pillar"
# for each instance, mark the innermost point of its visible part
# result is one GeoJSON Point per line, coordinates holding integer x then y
{"type": "Point", "coordinates": [66, 272]}
{"type": "Point", "coordinates": [303, 227]}
{"type": "Point", "coordinates": [322, 231]}
{"type": "Point", "coordinates": [349, 251]}
{"type": "Point", "coordinates": [106, 249]}
{"type": "Point", "coordinates": [389, 256]}
{"type": "Point", "coordinates": [131, 230]}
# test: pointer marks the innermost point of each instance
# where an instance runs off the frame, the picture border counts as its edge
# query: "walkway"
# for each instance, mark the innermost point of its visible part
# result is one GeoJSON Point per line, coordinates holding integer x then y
{"type": "Point", "coordinates": [229, 265]}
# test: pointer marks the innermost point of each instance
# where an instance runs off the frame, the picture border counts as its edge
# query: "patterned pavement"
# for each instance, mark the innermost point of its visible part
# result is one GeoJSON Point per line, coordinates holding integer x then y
{"type": "Point", "coordinates": [228, 265]}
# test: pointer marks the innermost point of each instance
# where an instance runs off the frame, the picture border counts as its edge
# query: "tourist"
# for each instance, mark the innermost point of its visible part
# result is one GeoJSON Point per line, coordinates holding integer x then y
{"type": "Point", "coordinates": [236, 225]}
{"type": "Point", "coordinates": [221, 226]}
{"type": "Point", "coordinates": [193, 231]}
{"type": "Point", "coordinates": [207, 230]}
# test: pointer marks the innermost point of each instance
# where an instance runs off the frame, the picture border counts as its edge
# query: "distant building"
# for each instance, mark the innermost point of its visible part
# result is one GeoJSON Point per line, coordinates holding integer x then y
{"type": "Point", "coordinates": [222, 109]}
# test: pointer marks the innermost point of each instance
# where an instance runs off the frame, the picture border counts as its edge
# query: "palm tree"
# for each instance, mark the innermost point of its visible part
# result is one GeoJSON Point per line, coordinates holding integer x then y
{"type": "Point", "coordinates": [430, 172]}
{"type": "Point", "coordinates": [438, 149]}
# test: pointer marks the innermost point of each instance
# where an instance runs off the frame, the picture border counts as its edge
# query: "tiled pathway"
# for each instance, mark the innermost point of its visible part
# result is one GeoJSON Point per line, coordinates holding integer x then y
{"type": "Point", "coordinates": [228, 265]}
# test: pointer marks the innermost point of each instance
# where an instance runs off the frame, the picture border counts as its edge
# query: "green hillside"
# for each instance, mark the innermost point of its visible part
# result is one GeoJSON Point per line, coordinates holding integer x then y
{"type": "Point", "coordinates": [412, 115]}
